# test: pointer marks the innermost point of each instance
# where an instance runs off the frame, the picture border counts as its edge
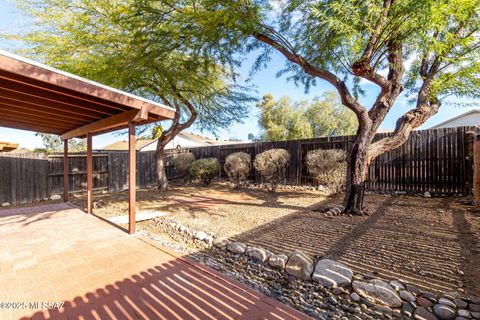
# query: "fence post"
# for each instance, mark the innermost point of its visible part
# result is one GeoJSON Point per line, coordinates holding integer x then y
{"type": "Point", "coordinates": [476, 170]}
{"type": "Point", "coordinates": [469, 140]}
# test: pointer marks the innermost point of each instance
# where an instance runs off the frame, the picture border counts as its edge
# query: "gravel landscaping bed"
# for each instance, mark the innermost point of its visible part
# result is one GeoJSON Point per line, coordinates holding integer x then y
{"type": "Point", "coordinates": [433, 243]}
{"type": "Point", "coordinates": [332, 292]}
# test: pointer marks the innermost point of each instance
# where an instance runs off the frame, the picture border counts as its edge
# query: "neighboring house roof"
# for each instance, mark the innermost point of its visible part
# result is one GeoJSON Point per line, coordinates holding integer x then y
{"type": "Point", "coordinates": [21, 150]}
{"type": "Point", "coordinates": [123, 145]}
{"type": "Point", "coordinates": [8, 146]}
{"type": "Point", "coordinates": [383, 130]}
{"type": "Point", "coordinates": [200, 140]}
{"type": "Point", "coordinates": [196, 137]}
{"type": "Point", "coordinates": [469, 118]}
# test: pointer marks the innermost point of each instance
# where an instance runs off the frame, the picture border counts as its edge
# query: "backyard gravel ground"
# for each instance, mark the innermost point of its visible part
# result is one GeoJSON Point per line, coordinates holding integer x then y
{"type": "Point", "coordinates": [433, 243]}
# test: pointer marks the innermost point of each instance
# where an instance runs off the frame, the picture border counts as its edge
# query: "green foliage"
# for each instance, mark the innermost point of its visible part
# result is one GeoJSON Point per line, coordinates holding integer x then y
{"type": "Point", "coordinates": [328, 167]}
{"type": "Point", "coordinates": [287, 120]}
{"type": "Point", "coordinates": [271, 165]}
{"type": "Point", "coordinates": [114, 43]}
{"type": "Point", "coordinates": [182, 162]}
{"type": "Point", "coordinates": [334, 34]}
{"type": "Point", "coordinates": [54, 143]}
{"type": "Point", "coordinates": [237, 166]}
{"type": "Point", "coordinates": [156, 131]}
{"type": "Point", "coordinates": [328, 117]}
{"type": "Point", "coordinates": [282, 120]}
{"type": "Point", "coordinates": [205, 169]}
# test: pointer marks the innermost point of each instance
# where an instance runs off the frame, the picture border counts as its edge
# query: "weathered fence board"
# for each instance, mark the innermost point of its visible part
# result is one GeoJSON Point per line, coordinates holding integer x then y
{"type": "Point", "coordinates": [23, 178]}
{"type": "Point", "coordinates": [437, 160]}
{"type": "Point", "coordinates": [77, 176]}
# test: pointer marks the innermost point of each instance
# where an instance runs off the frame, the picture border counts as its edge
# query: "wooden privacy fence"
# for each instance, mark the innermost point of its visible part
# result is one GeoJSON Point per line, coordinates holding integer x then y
{"type": "Point", "coordinates": [439, 160]}
{"type": "Point", "coordinates": [32, 177]}
{"type": "Point", "coordinates": [435, 160]}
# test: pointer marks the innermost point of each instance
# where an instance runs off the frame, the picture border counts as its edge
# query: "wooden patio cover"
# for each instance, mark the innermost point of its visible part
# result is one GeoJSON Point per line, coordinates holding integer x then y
{"type": "Point", "coordinates": [38, 98]}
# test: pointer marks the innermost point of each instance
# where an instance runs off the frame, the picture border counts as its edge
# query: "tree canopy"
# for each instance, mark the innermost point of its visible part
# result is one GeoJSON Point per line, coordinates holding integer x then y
{"type": "Point", "coordinates": [108, 41]}
{"type": "Point", "coordinates": [53, 143]}
{"type": "Point", "coordinates": [429, 47]}
{"type": "Point", "coordinates": [284, 119]}
{"type": "Point", "coordinates": [328, 38]}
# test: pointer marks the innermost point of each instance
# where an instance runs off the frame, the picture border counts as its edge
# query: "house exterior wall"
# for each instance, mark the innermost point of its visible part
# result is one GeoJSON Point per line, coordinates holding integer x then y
{"type": "Point", "coordinates": [177, 141]}
{"type": "Point", "coordinates": [472, 119]}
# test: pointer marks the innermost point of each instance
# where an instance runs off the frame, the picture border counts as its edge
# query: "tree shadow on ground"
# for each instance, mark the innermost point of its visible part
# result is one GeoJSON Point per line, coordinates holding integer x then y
{"type": "Point", "coordinates": [419, 240]}
{"type": "Point", "coordinates": [470, 248]}
{"type": "Point", "coordinates": [192, 200]}
{"type": "Point", "coordinates": [416, 239]}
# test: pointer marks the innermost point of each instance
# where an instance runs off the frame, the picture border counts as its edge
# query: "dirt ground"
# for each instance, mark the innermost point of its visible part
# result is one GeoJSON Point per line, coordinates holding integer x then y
{"type": "Point", "coordinates": [218, 209]}
{"type": "Point", "coordinates": [433, 243]}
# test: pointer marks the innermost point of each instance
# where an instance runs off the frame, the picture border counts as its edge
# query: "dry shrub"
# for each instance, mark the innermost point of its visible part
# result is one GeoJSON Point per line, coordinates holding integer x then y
{"type": "Point", "coordinates": [205, 169]}
{"type": "Point", "coordinates": [237, 166]}
{"type": "Point", "coordinates": [271, 165]}
{"type": "Point", "coordinates": [328, 167]}
{"type": "Point", "coordinates": [182, 162]}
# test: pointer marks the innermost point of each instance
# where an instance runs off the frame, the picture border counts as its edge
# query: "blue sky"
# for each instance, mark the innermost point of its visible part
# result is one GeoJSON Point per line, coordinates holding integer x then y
{"type": "Point", "coordinates": [11, 20]}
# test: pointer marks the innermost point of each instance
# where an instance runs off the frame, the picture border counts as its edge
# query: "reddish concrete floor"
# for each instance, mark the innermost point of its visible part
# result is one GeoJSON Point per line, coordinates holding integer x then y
{"type": "Point", "coordinates": [56, 254]}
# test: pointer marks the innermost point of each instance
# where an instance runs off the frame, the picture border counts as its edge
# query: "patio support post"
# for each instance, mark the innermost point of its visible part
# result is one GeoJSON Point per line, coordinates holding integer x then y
{"type": "Point", "coordinates": [89, 173]}
{"type": "Point", "coordinates": [132, 170]}
{"type": "Point", "coordinates": [65, 170]}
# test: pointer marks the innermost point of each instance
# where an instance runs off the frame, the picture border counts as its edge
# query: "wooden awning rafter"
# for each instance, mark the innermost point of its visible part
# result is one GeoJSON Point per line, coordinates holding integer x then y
{"type": "Point", "coordinates": [38, 98]}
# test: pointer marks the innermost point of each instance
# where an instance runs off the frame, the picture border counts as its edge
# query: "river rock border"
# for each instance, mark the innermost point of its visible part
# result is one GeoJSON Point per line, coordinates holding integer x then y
{"type": "Point", "coordinates": [395, 299]}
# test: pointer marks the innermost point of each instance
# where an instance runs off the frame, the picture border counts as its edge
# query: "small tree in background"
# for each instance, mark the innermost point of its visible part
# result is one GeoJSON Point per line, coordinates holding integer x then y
{"type": "Point", "coordinates": [271, 165]}
{"type": "Point", "coordinates": [328, 168]}
{"type": "Point", "coordinates": [285, 119]}
{"type": "Point", "coordinates": [182, 162]}
{"type": "Point", "coordinates": [205, 169]}
{"type": "Point", "coordinates": [237, 166]}
{"type": "Point", "coordinates": [54, 143]}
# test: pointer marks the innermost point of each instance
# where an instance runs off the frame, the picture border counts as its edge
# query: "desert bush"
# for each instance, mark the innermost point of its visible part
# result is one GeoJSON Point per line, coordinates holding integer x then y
{"type": "Point", "coordinates": [237, 166]}
{"type": "Point", "coordinates": [271, 165]}
{"type": "Point", "coordinates": [182, 162]}
{"type": "Point", "coordinates": [328, 168]}
{"type": "Point", "coordinates": [205, 169]}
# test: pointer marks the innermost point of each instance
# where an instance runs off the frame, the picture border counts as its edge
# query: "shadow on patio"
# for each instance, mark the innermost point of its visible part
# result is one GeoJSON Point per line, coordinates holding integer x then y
{"type": "Point", "coordinates": [56, 253]}
{"type": "Point", "coordinates": [174, 290]}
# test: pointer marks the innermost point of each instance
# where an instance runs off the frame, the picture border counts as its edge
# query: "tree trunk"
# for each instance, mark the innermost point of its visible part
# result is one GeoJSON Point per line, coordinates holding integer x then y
{"type": "Point", "coordinates": [161, 174]}
{"type": "Point", "coordinates": [357, 169]}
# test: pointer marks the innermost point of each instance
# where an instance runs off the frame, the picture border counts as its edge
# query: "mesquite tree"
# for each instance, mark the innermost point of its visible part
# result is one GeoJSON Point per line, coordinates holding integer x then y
{"type": "Point", "coordinates": [113, 43]}
{"type": "Point", "coordinates": [430, 47]}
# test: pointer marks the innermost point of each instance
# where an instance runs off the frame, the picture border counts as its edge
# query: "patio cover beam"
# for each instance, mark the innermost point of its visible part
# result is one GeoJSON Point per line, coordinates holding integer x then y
{"type": "Point", "coordinates": [114, 122]}
{"type": "Point", "coordinates": [16, 69]}
{"type": "Point", "coordinates": [39, 98]}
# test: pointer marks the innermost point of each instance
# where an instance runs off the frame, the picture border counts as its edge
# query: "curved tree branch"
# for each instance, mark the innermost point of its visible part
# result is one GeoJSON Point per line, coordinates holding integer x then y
{"type": "Point", "coordinates": [405, 125]}
{"type": "Point", "coordinates": [347, 99]}
{"type": "Point", "coordinates": [389, 94]}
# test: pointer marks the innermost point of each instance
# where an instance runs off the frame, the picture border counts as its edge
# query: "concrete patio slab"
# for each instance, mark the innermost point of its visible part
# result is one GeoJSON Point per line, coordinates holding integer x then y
{"type": "Point", "coordinates": [56, 262]}
{"type": "Point", "coordinates": [140, 216]}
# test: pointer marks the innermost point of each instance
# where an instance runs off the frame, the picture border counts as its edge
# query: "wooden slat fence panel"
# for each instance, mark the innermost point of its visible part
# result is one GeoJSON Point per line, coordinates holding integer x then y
{"type": "Point", "coordinates": [77, 176]}
{"type": "Point", "coordinates": [23, 178]}
{"type": "Point", "coordinates": [435, 160]}
{"type": "Point", "coordinates": [438, 160]}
